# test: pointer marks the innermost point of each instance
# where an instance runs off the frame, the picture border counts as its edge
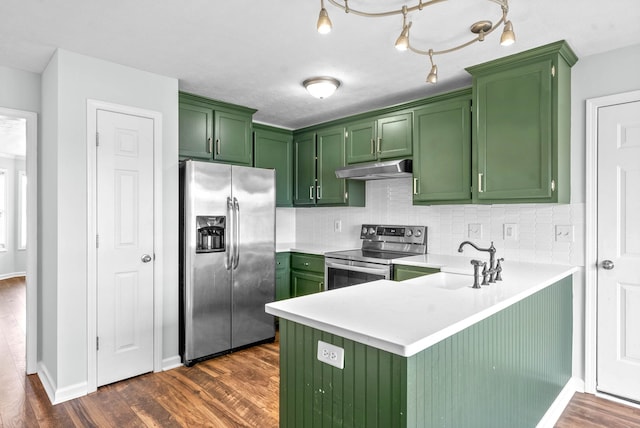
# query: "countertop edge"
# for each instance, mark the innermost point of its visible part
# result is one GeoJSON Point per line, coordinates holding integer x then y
{"type": "Point", "coordinates": [430, 340]}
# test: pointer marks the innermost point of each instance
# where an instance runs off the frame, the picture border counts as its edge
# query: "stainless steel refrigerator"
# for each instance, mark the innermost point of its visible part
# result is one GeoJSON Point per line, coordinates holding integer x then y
{"type": "Point", "coordinates": [227, 258]}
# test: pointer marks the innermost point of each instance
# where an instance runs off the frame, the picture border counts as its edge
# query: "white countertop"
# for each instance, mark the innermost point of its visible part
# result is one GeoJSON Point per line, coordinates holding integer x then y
{"type": "Point", "coordinates": [316, 249]}
{"type": "Point", "coordinates": [407, 317]}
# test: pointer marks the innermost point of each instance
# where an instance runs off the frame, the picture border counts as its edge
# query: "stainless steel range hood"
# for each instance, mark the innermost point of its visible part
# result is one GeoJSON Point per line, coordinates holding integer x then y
{"type": "Point", "coordinates": [376, 170]}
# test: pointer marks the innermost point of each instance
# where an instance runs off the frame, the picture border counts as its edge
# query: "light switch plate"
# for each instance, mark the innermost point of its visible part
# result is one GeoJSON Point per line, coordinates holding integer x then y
{"type": "Point", "coordinates": [564, 233]}
{"type": "Point", "coordinates": [331, 354]}
{"type": "Point", "coordinates": [337, 225]}
{"type": "Point", "coordinates": [510, 232]}
{"type": "Point", "coordinates": [474, 231]}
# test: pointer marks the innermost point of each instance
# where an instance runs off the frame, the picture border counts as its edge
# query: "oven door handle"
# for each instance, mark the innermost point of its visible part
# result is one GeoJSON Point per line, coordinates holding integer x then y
{"type": "Point", "coordinates": [373, 271]}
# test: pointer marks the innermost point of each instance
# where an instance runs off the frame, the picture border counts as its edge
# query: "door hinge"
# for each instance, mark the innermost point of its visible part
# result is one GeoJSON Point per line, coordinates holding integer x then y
{"type": "Point", "coordinates": [553, 71]}
{"type": "Point", "coordinates": [97, 343]}
{"type": "Point", "coordinates": [97, 139]}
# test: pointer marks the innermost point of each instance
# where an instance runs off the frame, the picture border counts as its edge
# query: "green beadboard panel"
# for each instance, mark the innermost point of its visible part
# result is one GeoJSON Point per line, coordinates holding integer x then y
{"type": "Point", "coordinates": [504, 371]}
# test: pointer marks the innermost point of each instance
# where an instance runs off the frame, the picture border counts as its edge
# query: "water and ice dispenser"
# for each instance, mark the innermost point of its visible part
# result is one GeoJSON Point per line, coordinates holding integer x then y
{"type": "Point", "coordinates": [210, 233]}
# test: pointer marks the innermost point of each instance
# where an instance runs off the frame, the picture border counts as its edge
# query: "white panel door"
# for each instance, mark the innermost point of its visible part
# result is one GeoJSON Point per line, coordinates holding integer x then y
{"type": "Point", "coordinates": [125, 246]}
{"type": "Point", "coordinates": [618, 366]}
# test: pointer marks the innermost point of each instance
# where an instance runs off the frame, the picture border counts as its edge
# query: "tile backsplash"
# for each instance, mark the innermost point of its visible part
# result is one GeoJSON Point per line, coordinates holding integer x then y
{"type": "Point", "coordinates": [544, 233]}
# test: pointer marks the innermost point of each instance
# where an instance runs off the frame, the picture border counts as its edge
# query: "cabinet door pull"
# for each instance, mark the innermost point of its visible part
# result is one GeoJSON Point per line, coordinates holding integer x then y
{"type": "Point", "coordinates": [379, 143]}
{"type": "Point", "coordinates": [218, 146]}
{"type": "Point", "coordinates": [210, 145]}
{"type": "Point", "coordinates": [415, 186]}
{"type": "Point", "coordinates": [480, 176]}
{"type": "Point", "coordinates": [373, 146]}
{"type": "Point", "coordinates": [311, 192]}
{"type": "Point", "coordinates": [319, 192]}
{"type": "Point", "coordinates": [553, 185]}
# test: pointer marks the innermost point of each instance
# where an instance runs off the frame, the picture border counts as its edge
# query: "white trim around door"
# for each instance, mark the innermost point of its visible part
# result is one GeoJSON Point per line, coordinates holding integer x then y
{"type": "Point", "coordinates": [591, 232]}
{"type": "Point", "coordinates": [32, 236]}
{"type": "Point", "coordinates": [92, 108]}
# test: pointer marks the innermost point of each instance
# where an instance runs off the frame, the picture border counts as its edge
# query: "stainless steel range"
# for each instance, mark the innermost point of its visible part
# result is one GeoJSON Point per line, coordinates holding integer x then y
{"type": "Point", "coordinates": [380, 245]}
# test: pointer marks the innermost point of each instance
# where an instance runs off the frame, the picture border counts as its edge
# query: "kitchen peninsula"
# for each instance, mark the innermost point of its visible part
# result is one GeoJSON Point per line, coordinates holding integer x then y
{"type": "Point", "coordinates": [429, 351]}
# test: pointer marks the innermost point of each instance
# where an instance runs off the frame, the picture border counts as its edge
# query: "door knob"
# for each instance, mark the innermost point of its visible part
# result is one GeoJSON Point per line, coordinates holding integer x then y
{"type": "Point", "coordinates": [146, 258]}
{"type": "Point", "coordinates": [607, 264]}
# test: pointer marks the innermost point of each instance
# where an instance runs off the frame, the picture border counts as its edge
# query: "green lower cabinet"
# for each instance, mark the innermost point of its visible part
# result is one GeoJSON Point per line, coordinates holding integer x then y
{"type": "Point", "coordinates": [442, 150]}
{"type": "Point", "coordinates": [273, 148]}
{"type": "Point", "coordinates": [283, 276]}
{"type": "Point", "coordinates": [502, 372]}
{"type": "Point", "coordinates": [307, 274]}
{"type": "Point", "coordinates": [303, 283]}
{"type": "Point", "coordinates": [401, 272]}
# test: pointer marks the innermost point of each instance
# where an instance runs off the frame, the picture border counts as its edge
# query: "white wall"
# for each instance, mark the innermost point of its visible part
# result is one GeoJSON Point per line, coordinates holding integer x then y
{"type": "Point", "coordinates": [67, 82]}
{"type": "Point", "coordinates": [19, 89]}
{"type": "Point", "coordinates": [389, 201]}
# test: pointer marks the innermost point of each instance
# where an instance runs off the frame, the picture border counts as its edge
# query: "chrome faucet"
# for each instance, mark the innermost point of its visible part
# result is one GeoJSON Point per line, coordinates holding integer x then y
{"type": "Point", "coordinates": [494, 272]}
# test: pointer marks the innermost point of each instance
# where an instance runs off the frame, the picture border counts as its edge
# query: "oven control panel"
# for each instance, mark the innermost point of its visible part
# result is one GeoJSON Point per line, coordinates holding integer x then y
{"type": "Point", "coordinates": [402, 234]}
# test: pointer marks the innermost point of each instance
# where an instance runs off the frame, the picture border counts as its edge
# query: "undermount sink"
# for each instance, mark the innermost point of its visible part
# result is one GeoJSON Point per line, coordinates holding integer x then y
{"type": "Point", "coordinates": [446, 281]}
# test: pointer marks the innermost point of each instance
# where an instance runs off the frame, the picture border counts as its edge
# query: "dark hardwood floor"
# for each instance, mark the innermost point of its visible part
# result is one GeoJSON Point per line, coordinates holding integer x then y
{"type": "Point", "coordinates": [237, 390]}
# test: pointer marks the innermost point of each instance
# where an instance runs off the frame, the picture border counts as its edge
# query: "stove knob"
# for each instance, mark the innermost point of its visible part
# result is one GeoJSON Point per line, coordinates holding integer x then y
{"type": "Point", "coordinates": [364, 230]}
{"type": "Point", "coordinates": [372, 231]}
{"type": "Point", "coordinates": [409, 232]}
{"type": "Point", "coordinates": [418, 233]}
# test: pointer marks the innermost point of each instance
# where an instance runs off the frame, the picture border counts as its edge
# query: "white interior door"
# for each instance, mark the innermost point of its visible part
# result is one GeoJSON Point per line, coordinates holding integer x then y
{"type": "Point", "coordinates": [618, 355]}
{"type": "Point", "coordinates": [125, 246]}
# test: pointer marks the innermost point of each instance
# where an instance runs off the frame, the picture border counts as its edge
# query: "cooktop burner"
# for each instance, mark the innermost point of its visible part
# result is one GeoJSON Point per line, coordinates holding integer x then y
{"type": "Point", "coordinates": [381, 244]}
{"type": "Point", "coordinates": [380, 257]}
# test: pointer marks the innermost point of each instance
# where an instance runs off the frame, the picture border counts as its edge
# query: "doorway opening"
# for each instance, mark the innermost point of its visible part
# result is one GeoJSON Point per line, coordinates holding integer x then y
{"type": "Point", "coordinates": [18, 220]}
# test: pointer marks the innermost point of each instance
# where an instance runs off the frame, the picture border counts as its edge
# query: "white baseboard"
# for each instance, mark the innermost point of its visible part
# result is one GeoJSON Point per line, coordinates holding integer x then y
{"type": "Point", "coordinates": [171, 363]}
{"type": "Point", "coordinates": [56, 395]}
{"type": "Point", "coordinates": [12, 275]}
{"type": "Point", "coordinates": [560, 403]}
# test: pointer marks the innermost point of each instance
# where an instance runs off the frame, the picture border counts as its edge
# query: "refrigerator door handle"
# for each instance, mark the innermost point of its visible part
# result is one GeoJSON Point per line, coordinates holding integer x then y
{"type": "Point", "coordinates": [236, 239]}
{"type": "Point", "coordinates": [228, 262]}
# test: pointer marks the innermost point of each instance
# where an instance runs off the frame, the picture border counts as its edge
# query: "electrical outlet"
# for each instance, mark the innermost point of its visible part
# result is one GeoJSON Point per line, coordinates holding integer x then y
{"type": "Point", "coordinates": [564, 233]}
{"type": "Point", "coordinates": [510, 232]}
{"type": "Point", "coordinates": [331, 354]}
{"type": "Point", "coordinates": [474, 231]}
{"type": "Point", "coordinates": [337, 225]}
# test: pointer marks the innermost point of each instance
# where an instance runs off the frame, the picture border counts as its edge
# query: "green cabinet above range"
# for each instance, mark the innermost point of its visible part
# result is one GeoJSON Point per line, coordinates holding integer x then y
{"type": "Point", "coordinates": [378, 138]}
{"type": "Point", "coordinates": [210, 130]}
{"type": "Point", "coordinates": [317, 155]}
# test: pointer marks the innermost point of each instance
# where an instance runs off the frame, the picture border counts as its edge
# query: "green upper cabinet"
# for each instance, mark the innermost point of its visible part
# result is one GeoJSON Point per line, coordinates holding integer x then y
{"type": "Point", "coordinates": [521, 126]}
{"type": "Point", "coordinates": [331, 154]}
{"type": "Point", "coordinates": [273, 148]}
{"type": "Point", "coordinates": [384, 137]}
{"type": "Point", "coordinates": [361, 141]}
{"type": "Point", "coordinates": [304, 193]}
{"type": "Point", "coordinates": [215, 131]}
{"type": "Point", "coordinates": [317, 155]}
{"type": "Point", "coordinates": [442, 150]}
{"type": "Point", "coordinates": [195, 129]}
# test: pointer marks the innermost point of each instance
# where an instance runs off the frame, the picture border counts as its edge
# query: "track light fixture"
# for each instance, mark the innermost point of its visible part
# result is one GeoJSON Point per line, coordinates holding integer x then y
{"type": "Point", "coordinates": [433, 74]}
{"type": "Point", "coordinates": [480, 29]}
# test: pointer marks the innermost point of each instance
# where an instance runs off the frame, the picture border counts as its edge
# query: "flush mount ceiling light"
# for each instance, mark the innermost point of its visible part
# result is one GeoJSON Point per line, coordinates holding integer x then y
{"type": "Point", "coordinates": [479, 29]}
{"type": "Point", "coordinates": [321, 87]}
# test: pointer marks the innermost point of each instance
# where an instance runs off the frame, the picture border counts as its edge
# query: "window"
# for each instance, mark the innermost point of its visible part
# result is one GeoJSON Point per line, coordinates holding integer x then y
{"type": "Point", "coordinates": [22, 210]}
{"type": "Point", "coordinates": [3, 210]}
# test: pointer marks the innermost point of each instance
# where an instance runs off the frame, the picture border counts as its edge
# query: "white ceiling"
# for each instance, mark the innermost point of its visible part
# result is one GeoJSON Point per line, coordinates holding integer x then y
{"type": "Point", "coordinates": [257, 53]}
